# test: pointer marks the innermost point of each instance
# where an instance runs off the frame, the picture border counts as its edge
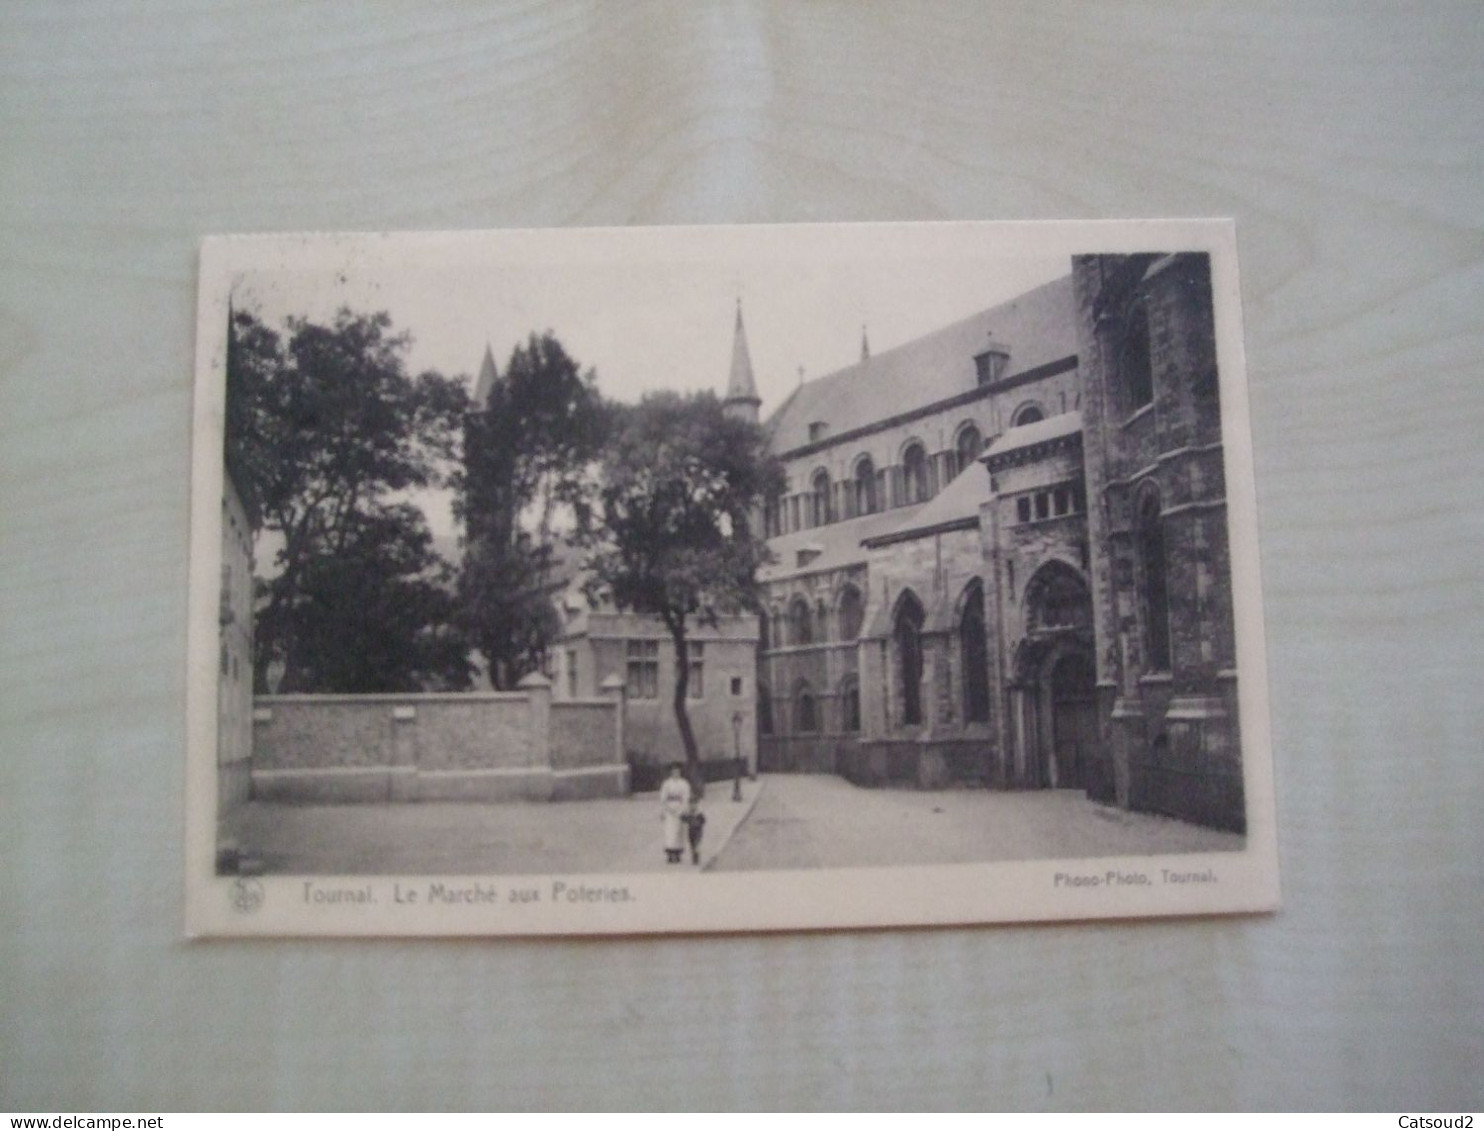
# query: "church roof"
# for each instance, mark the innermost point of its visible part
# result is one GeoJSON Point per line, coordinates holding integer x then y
{"type": "Point", "coordinates": [740, 385]}
{"type": "Point", "coordinates": [833, 546]}
{"type": "Point", "coordinates": [487, 378]}
{"type": "Point", "coordinates": [956, 503]}
{"type": "Point", "coordinates": [1037, 328]}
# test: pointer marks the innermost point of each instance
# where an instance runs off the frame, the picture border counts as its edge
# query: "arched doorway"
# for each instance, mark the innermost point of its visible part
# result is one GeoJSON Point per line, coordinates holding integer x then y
{"type": "Point", "coordinates": [1053, 696]}
{"type": "Point", "coordinates": [1074, 721]}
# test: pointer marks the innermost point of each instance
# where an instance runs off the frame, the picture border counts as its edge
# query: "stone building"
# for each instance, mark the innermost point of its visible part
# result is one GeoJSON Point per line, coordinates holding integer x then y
{"type": "Point", "coordinates": [1001, 555]}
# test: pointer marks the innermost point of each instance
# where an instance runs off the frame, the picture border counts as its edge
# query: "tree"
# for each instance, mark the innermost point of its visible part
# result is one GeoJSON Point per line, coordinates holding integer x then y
{"type": "Point", "coordinates": [326, 433]}
{"type": "Point", "coordinates": [528, 457]}
{"type": "Point", "coordinates": [681, 484]}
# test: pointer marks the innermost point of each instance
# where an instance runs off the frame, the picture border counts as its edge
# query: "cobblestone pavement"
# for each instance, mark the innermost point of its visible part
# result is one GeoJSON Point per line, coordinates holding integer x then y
{"type": "Point", "coordinates": [619, 835]}
{"type": "Point", "coordinates": [821, 821]}
{"type": "Point", "coordinates": [785, 821]}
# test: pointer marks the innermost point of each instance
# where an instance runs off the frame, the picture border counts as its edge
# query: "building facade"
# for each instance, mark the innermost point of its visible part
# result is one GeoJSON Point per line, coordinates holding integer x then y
{"type": "Point", "coordinates": [234, 698]}
{"type": "Point", "coordinates": [1001, 555]}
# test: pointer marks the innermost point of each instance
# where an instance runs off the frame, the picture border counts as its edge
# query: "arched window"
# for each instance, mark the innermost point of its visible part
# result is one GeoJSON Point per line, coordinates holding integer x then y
{"type": "Point", "coordinates": [823, 512]}
{"type": "Point", "coordinates": [806, 709]}
{"type": "Point", "coordinates": [764, 708]}
{"type": "Point", "coordinates": [1027, 414]}
{"type": "Point", "coordinates": [1134, 368]}
{"type": "Point", "coordinates": [850, 610]}
{"type": "Point", "coordinates": [907, 639]}
{"type": "Point", "coordinates": [850, 704]}
{"type": "Point", "coordinates": [801, 621]}
{"type": "Point", "coordinates": [1056, 598]}
{"type": "Point", "coordinates": [966, 449]}
{"type": "Point", "coordinates": [1151, 541]}
{"type": "Point", "coordinates": [914, 474]}
{"type": "Point", "coordinates": [865, 486]}
{"type": "Point", "coordinates": [974, 650]}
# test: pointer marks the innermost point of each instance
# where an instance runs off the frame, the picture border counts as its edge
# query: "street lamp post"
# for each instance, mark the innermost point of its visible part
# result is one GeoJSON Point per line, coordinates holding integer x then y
{"type": "Point", "coordinates": [737, 753]}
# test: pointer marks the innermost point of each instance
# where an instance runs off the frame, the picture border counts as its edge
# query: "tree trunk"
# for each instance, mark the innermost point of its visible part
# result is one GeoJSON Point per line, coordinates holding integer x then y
{"type": "Point", "coordinates": [676, 626]}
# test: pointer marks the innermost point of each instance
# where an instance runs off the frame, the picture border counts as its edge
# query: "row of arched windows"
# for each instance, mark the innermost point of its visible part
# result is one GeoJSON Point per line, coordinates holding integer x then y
{"type": "Point", "coordinates": [806, 623]}
{"type": "Point", "coordinates": [807, 708]}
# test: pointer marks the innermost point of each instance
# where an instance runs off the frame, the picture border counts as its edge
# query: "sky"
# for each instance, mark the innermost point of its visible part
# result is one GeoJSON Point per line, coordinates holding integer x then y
{"type": "Point", "coordinates": [655, 308]}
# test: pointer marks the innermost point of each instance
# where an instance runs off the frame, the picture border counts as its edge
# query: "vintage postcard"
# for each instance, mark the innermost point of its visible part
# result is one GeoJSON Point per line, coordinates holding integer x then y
{"type": "Point", "coordinates": [618, 581]}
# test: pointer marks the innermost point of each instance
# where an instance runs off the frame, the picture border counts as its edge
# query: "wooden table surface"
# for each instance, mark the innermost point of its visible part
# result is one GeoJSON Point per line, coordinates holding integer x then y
{"type": "Point", "coordinates": [1347, 141]}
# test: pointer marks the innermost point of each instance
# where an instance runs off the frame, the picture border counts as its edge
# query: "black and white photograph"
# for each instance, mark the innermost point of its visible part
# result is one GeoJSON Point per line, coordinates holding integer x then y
{"type": "Point", "coordinates": [732, 578]}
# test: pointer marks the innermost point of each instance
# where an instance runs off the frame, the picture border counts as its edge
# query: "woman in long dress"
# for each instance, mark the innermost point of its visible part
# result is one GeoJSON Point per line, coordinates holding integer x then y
{"type": "Point", "coordinates": [674, 800]}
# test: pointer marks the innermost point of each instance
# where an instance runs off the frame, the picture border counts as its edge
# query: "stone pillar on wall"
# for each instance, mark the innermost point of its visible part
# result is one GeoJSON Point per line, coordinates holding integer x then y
{"type": "Point", "coordinates": [402, 784]}
{"type": "Point", "coordinates": [538, 687]}
{"type": "Point", "coordinates": [613, 688]}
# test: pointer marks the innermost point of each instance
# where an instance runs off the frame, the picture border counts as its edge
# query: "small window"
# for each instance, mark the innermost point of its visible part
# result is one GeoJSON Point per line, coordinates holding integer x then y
{"type": "Point", "coordinates": [1029, 414]}
{"type": "Point", "coordinates": [1061, 500]}
{"type": "Point", "coordinates": [643, 669]}
{"type": "Point", "coordinates": [736, 685]}
{"type": "Point", "coordinates": [990, 366]}
{"type": "Point", "coordinates": [1043, 505]}
{"type": "Point", "coordinates": [1023, 508]}
{"type": "Point", "coordinates": [817, 430]}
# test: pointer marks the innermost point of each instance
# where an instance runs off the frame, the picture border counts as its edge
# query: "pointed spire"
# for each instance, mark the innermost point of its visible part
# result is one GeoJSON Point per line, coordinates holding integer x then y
{"type": "Point", "coordinates": [741, 399]}
{"type": "Point", "coordinates": [487, 378]}
{"type": "Point", "coordinates": [865, 345]}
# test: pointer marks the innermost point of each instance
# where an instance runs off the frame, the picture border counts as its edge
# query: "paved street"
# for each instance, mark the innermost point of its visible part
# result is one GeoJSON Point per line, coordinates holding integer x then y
{"type": "Point", "coordinates": [447, 838]}
{"type": "Point", "coordinates": [784, 821]}
{"type": "Point", "coordinates": [821, 821]}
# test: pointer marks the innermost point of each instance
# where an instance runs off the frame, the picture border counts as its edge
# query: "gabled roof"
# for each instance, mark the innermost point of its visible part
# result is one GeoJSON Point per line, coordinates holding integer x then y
{"type": "Point", "coordinates": [1037, 328]}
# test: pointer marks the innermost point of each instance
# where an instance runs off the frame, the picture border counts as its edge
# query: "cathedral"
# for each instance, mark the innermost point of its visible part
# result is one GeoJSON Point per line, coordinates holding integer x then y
{"type": "Point", "coordinates": [1001, 556]}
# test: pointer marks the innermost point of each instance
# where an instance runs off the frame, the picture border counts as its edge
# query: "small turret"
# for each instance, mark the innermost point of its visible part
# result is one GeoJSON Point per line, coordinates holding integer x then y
{"type": "Point", "coordinates": [487, 379]}
{"type": "Point", "coordinates": [742, 401]}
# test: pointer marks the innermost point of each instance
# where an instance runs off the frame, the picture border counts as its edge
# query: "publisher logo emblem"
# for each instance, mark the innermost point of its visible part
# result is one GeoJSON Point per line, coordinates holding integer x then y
{"type": "Point", "coordinates": [246, 894]}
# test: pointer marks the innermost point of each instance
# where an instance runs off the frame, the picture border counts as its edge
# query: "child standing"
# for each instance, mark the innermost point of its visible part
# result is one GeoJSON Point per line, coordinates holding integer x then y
{"type": "Point", "coordinates": [695, 828]}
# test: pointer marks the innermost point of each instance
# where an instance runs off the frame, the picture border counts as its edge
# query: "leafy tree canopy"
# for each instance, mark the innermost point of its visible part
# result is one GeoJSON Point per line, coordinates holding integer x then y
{"type": "Point", "coordinates": [681, 485]}
{"type": "Point", "coordinates": [527, 483]}
{"type": "Point", "coordinates": [326, 433]}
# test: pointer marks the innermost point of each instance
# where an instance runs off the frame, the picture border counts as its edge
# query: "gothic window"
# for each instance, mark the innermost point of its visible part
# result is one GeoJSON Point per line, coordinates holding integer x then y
{"type": "Point", "coordinates": [762, 630]}
{"type": "Point", "coordinates": [865, 486]}
{"type": "Point", "coordinates": [1056, 598]}
{"type": "Point", "coordinates": [802, 622]}
{"type": "Point", "coordinates": [806, 709]}
{"type": "Point", "coordinates": [1027, 414]}
{"type": "Point", "coordinates": [974, 649]}
{"type": "Point", "coordinates": [851, 612]}
{"type": "Point", "coordinates": [850, 704]}
{"type": "Point", "coordinates": [907, 636]}
{"type": "Point", "coordinates": [968, 445]}
{"type": "Point", "coordinates": [821, 498]}
{"type": "Point", "coordinates": [1156, 595]}
{"type": "Point", "coordinates": [821, 623]}
{"type": "Point", "coordinates": [764, 708]}
{"type": "Point", "coordinates": [1134, 367]}
{"type": "Point", "coordinates": [915, 474]}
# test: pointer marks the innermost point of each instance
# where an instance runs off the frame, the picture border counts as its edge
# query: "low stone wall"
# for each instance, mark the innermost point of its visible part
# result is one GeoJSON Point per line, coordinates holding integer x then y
{"type": "Point", "coordinates": [587, 750]}
{"type": "Point", "coordinates": [327, 749]}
